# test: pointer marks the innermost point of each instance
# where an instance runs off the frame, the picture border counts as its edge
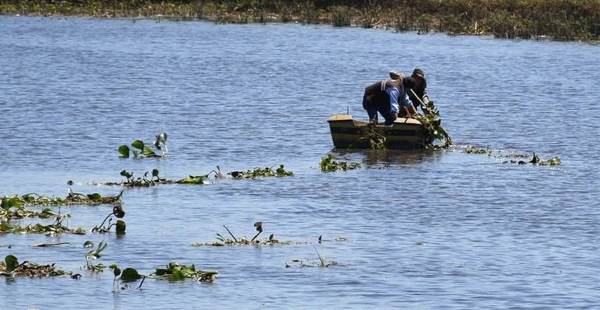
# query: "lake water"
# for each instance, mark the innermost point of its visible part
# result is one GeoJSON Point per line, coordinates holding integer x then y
{"type": "Point", "coordinates": [409, 230]}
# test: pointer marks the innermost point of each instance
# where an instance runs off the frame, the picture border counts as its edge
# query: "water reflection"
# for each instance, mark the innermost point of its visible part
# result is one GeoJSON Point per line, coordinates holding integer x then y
{"type": "Point", "coordinates": [386, 158]}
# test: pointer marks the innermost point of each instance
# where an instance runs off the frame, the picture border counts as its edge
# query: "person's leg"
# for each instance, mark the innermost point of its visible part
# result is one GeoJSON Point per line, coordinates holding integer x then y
{"type": "Point", "coordinates": [389, 117]}
{"type": "Point", "coordinates": [372, 115]}
{"type": "Point", "coordinates": [371, 111]}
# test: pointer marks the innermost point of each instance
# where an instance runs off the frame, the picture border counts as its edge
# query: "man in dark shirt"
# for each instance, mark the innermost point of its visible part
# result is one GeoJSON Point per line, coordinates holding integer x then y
{"type": "Point", "coordinates": [420, 89]}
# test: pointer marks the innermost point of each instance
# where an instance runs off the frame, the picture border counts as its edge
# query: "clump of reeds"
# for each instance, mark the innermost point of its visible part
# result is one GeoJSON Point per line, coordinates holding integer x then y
{"type": "Point", "coordinates": [563, 20]}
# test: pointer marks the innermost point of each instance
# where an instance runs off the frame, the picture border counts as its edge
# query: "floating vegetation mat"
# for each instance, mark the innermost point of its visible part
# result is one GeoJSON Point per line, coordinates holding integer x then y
{"type": "Point", "coordinates": [72, 198]}
{"type": "Point", "coordinates": [509, 157]}
{"type": "Point", "coordinates": [55, 228]}
{"type": "Point", "coordinates": [152, 178]}
{"type": "Point", "coordinates": [12, 268]}
{"type": "Point", "coordinates": [261, 172]}
{"type": "Point", "coordinates": [175, 272]}
{"type": "Point", "coordinates": [223, 241]}
{"type": "Point", "coordinates": [330, 163]}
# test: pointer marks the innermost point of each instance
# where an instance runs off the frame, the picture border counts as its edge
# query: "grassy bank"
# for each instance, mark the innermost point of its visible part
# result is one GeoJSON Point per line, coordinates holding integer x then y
{"type": "Point", "coordinates": [564, 20]}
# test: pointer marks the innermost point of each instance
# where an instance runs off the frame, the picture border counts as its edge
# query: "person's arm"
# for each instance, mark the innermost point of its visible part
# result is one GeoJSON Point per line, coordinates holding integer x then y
{"type": "Point", "coordinates": [406, 103]}
{"type": "Point", "coordinates": [425, 97]}
{"type": "Point", "coordinates": [425, 101]}
{"type": "Point", "coordinates": [393, 93]}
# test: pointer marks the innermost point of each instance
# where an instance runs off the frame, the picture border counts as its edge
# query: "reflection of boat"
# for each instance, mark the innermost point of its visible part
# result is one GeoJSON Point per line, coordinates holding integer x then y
{"type": "Point", "coordinates": [404, 134]}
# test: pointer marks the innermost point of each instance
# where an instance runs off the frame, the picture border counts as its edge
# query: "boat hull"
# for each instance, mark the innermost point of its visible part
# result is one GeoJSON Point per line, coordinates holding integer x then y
{"type": "Point", "coordinates": [348, 133]}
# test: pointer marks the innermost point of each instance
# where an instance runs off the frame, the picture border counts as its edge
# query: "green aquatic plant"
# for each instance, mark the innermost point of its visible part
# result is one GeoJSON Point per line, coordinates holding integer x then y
{"type": "Point", "coordinates": [223, 241]}
{"type": "Point", "coordinates": [126, 275]}
{"type": "Point", "coordinates": [171, 272]}
{"type": "Point", "coordinates": [14, 208]}
{"type": "Point", "coordinates": [11, 267]}
{"type": "Point", "coordinates": [93, 255]}
{"type": "Point", "coordinates": [72, 198]}
{"type": "Point", "coordinates": [376, 140]}
{"type": "Point", "coordinates": [329, 163]}
{"type": "Point", "coordinates": [554, 161]}
{"type": "Point", "coordinates": [474, 150]}
{"type": "Point", "coordinates": [176, 272]}
{"type": "Point", "coordinates": [92, 199]}
{"type": "Point", "coordinates": [141, 150]}
{"type": "Point", "coordinates": [436, 136]}
{"type": "Point", "coordinates": [535, 160]}
{"type": "Point", "coordinates": [55, 228]}
{"type": "Point", "coordinates": [501, 154]}
{"type": "Point", "coordinates": [155, 179]}
{"type": "Point", "coordinates": [194, 179]}
{"type": "Point", "coordinates": [120, 225]}
{"type": "Point", "coordinates": [146, 181]}
{"type": "Point", "coordinates": [321, 261]}
{"type": "Point", "coordinates": [217, 173]}
{"type": "Point", "coordinates": [142, 181]}
{"type": "Point", "coordinates": [261, 172]}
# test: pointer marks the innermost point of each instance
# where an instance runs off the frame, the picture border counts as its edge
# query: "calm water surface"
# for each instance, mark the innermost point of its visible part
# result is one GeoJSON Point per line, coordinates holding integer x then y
{"type": "Point", "coordinates": [423, 230]}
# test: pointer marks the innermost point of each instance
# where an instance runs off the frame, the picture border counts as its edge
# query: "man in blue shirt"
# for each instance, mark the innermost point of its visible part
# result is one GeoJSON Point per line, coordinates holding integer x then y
{"type": "Point", "coordinates": [387, 97]}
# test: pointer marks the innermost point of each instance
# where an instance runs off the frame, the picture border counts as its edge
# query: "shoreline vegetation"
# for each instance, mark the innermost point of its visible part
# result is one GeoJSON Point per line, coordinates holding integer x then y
{"type": "Point", "coordinates": [559, 20]}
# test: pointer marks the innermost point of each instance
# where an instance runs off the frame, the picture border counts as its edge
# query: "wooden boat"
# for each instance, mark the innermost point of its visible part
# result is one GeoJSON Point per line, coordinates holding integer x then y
{"type": "Point", "coordinates": [349, 133]}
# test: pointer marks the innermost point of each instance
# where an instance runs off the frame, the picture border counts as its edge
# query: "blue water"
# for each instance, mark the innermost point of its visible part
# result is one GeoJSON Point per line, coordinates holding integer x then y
{"type": "Point", "coordinates": [414, 230]}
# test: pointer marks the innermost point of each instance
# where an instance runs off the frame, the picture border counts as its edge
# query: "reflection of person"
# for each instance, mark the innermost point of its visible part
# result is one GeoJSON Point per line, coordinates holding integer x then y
{"type": "Point", "coordinates": [420, 90]}
{"type": "Point", "coordinates": [387, 98]}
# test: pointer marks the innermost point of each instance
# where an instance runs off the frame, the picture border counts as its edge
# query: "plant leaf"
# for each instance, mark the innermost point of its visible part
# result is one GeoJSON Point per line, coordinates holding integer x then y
{"type": "Point", "coordinates": [94, 196]}
{"type": "Point", "coordinates": [124, 151]}
{"type": "Point", "coordinates": [130, 274]}
{"type": "Point", "coordinates": [11, 262]}
{"type": "Point", "coordinates": [121, 227]}
{"type": "Point", "coordinates": [138, 144]}
{"type": "Point", "coordinates": [148, 151]}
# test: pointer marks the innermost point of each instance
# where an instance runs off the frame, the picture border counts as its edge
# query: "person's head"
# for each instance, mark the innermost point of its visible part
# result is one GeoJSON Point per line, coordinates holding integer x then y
{"type": "Point", "coordinates": [409, 82]}
{"type": "Point", "coordinates": [396, 75]}
{"type": "Point", "coordinates": [419, 76]}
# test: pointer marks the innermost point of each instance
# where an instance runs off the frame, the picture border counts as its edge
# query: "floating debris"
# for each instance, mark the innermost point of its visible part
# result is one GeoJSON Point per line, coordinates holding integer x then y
{"type": "Point", "coordinates": [175, 272]}
{"type": "Point", "coordinates": [321, 262]}
{"type": "Point", "coordinates": [72, 198]}
{"type": "Point", "coordinates": [329, 163]}
{"type": "Point", "coordinates": [12, 268]}
{"type": "Point", "coordinates": [261, 172]}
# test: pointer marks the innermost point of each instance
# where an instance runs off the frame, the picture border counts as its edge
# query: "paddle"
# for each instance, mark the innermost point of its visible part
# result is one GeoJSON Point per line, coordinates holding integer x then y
{"type": "Point", "coordinates": [421, 101]}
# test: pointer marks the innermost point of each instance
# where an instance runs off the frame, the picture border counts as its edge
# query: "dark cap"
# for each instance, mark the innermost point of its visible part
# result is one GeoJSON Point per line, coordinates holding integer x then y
{"type": "Point", "coordinates": [418, 72]}
{"type": "Point", "coordinates": [409, 82]}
